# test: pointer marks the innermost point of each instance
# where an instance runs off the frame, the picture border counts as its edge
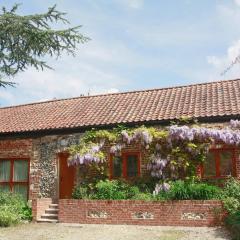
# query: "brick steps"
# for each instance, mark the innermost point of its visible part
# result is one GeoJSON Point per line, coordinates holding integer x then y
{"type": "Point", "coordinates": [50, 215]}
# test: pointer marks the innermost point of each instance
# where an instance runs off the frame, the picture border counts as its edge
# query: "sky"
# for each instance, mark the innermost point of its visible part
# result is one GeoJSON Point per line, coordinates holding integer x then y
{"type": "Point", "coordinates": [135, 45]}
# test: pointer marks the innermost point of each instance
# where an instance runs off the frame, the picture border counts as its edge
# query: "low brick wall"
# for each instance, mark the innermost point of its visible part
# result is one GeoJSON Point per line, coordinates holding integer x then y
{"type": "Point", "coordinates": [171, 213]}
{"type": "Point", "coordinates": [39, 206]}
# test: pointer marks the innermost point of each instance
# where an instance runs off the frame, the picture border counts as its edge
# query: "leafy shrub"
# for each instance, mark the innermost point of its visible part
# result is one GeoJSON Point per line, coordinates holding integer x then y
{"type": "Point", "coordinates": [181, 190]}
{"type": "Point", "coordinates": [13, 209]}
{"type": "Point", "coordinates": [233, 223]}
{"type": "Point", "coordinates": [231, 204]}
{"type": "Point", "coordinates": [231, 201]}
{"type": "Point", "coordinates": [26, 213]}
{"type": "Point", "coordinates": [204, 191]}
{"type": "Point", "coordinates": [143, 196]}
{"type": "Point", "coordinates": [114, 190]}
{"type": "Point", "coordinates": [232, 188]}
{"type": "Point", "coordinates": [8, 216]}
{"type": "Point", "coordinates": [145, 184]}
{"type": "Point", "coordinates": [80, 192]}
{"type": "Point", "coordinates": [131, 191]}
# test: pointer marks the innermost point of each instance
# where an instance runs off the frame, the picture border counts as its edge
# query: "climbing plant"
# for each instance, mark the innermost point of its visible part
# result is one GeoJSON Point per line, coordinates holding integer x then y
{"type": "Point", "coordinates": [175, 151]}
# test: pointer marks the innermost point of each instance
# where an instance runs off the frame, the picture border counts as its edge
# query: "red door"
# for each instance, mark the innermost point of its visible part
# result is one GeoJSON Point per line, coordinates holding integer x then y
{"type": "Point", "coordinates": [66, 175]}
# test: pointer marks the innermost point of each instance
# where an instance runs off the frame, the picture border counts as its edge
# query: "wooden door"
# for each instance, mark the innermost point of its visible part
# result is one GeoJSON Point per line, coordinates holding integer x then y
{"type": "Point", "coordinates": [66, 177]}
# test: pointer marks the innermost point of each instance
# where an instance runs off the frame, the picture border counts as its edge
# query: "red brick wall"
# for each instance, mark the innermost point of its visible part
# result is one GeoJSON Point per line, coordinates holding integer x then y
{"type": "Point", "coordinates": [21, 148]}
{"type": "Point", "coordinates": [16, 148]}
{"type": "Point", "coordinates": [172, 213]}
{"type": "Point", "coordinates": [39, 206]}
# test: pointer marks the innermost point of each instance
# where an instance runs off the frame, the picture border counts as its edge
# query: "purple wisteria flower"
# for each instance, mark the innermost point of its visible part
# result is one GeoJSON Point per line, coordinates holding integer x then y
{"type": "Point", "coordinates": [164, 187]}
{"type": "Point", "coordinates": [126, 138]}
{"type": "Point", "coordinates": [143, 137]}
{"type": "Point", "coordinates": [234, 123]}
{"type": "Point", "coordinates": [87, 158]}
{"type": "Point", "coordinates": [116, 149]}
{"type": "Point", "coordinates": [156, 165]}
{"type": "Point", "coordinates": [227, 136]}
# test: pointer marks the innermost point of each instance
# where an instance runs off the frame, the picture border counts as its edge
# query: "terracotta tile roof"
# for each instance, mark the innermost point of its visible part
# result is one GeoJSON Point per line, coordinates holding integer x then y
{"type": "Point", "coordinates": [220, 98]}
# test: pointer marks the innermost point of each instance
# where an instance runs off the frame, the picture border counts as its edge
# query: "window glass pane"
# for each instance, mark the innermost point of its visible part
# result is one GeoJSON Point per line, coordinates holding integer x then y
{"type": "Point", "coordinates": [132, 165]}
{"type": "Point", "coordinates": [210, 165]}
{"type": "Point", "coordinates": [4, 188]}
{"type": "Point", "coordinates": [20, 171]}
{"type": "Point", "coordinates": [226, 163]}
{"type": "Point", "coordinates": [5, 170]}
{"type": "Point", "coordinates": [21, 189]}
{"type": "Point", "coordinates": [117, 167]}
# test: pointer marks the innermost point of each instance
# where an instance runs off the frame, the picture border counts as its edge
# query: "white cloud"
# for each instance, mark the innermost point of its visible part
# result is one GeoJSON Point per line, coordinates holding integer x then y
{"type": "Point", "coordinates": [7, 96]}
{"type": "Point", "coordinates": [229, 16]}
{"type": "Point", "coordinates": [237, 2]}
{"type": "Point", "coordinates": [221, 63]}
{"type": "Point", "coordinates": [80, 79]}
{"type": "Point", "coordinates": [214, 60]}
{"type": "Point", "coordinates": [94, 70]}
{"type": "Point", "coordinates": [134, 4]}
{"type": "Point", "coordinates": [113, 90]}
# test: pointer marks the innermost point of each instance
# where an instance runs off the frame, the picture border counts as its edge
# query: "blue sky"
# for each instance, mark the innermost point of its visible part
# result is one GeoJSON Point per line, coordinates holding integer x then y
{"type": "Point", "coordinates": [136, 44]}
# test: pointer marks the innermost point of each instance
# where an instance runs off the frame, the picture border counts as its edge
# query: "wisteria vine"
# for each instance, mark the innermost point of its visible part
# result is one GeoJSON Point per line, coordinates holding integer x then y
{"type": "Point", "coordinates": [171, 148]}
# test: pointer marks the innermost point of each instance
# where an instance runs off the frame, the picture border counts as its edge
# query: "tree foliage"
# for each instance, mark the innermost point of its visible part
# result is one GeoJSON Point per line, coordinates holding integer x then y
{"type": "Point", "coordinates": [26, 40]}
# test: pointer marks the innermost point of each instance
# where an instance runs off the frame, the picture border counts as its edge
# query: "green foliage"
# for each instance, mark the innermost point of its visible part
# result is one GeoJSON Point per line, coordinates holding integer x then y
{"type": "Point", "coordinates": [157, 134]}
{"type": "Point", "coordinates": [26, 40]}
{"type": "Point", "coordinates": [145, 184]}
{"type": "Point", "coordinates": [8, 216]}
{"type": "Point", "coordinates": [143, 196]}
{"type": "Point", "coordinates": [13, 209]}
{"type": "Point", "coordinates": [26, 213]}
{"type": "Point", "coordinates": [85, 148]}
{"type": "Point", "coordinates": [95, 135]}
{"type": "Point", "coordinates": [119, 189]}
{"type": "Point", "coordinates": [233, 224]}
{"type": "Point", "coordinates": [231, 195]}
{"type": "Point", "coordinates": [232, 188]}
{"type": "Point", "coordinates": [231, 201]}
{"type": "Point", "coordinates": [112, 136]}
{"type": "Point", "coordinates": [184, 121]}
{"type": "Point", "coordinates": [181, 190]}
{"type": "Point", "coordinates": [186, 157]}
{"type": "Point", "coordinates": [80, 192]}
{"type": "Point", "coordinates": [183, 156]}
{"type": "Point", "coordinates": [231, 204]}
{"type": "Point", "coordinates": [114, 190]}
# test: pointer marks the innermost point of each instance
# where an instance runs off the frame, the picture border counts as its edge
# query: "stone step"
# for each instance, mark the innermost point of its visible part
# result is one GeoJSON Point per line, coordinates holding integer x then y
{"type": "Point", "coordinates": [52, 211]}
{"type": "Point", "coordinates": [49, 216]}
{"type": "Point", "coordinates": [53, 205]}
{"type": "Point", "coordinates": [47, 220]}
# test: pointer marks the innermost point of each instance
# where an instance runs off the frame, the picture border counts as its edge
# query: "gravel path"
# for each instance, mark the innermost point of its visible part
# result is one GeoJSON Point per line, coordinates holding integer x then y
{"type": "Point", "coordinates": [59, 231]}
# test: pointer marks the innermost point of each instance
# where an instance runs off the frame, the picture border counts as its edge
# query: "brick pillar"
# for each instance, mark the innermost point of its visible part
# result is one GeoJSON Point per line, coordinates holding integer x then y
{"type": "Point", "coordinates": [237, 163]}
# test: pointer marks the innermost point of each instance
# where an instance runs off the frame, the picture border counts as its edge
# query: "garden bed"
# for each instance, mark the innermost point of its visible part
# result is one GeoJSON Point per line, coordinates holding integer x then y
{"type": "Point", "coordinates": [138, 212]}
